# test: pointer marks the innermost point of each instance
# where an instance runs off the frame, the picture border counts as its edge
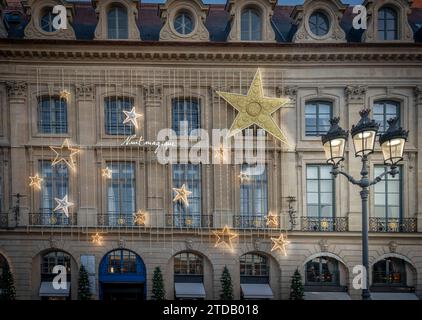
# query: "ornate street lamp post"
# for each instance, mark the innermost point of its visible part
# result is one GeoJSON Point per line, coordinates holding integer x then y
{"type": "Point", "coordinates": [364, 134]}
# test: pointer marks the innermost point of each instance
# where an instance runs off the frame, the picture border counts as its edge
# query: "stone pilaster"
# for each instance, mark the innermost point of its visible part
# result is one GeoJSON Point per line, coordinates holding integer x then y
{"type": "Point", "coordinates": [17, 92]}
{"type": "Point", "coordinates": [418, 106]}
{"type": "Point", "coordinates": [355, 100]}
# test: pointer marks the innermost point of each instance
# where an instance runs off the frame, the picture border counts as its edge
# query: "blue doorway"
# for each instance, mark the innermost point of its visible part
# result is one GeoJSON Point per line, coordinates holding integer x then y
{"type": "Point", "coordinates": [122, 276]}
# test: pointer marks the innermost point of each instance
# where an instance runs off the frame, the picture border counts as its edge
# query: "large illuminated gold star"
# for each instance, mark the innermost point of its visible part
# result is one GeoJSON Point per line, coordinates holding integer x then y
{"type": "Point", "coordinates": [280, 244]}
{"type": "Point", "coordinates": [65, 154]}
{"type": "Point", "coordinates": [97, 239]}
{"type": "Point", "coordinates": [36, 181]}
{"type": "Point", "coordinates": [256, 109]}
{"type": "Point", "coordinates": [225, 237]}
{"type": "Point", "coordinates": [182, 195]}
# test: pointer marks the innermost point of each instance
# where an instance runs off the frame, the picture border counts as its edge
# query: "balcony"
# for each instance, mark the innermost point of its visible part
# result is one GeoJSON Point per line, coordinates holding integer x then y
{"type": "Point", "coordinates": [318, 224]}
{"type": "Point", "coordinates": [250, 222]}
{"type": "Point", "coordinates": [393, 225]}
{"type": "Point", "coordinates": [52, 219]}
{"type": "Point", "coordinates": [184, 221]}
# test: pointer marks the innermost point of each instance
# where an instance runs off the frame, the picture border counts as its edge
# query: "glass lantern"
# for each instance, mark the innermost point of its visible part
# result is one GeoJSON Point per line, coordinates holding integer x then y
{"type": "Point", "coordinates": [334, 143]}
{"type": "Point", "coordinates": [392, 142]}
{"type": "Point", "coordinates": [364, 134]}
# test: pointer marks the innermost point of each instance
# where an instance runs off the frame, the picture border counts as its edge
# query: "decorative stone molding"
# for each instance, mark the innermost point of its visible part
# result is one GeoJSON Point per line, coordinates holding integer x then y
{"type": "Point", "coordinates": [35, 9]}
{"type": "Point", "coordinates": [153, 92]}
{"type": "Point", "coordinates": [257, 244]}
{"type": "Point", "coordinates": [53, 242]}
{"type": "Point", "coordinates": [121, 243]}
{"type": "Point", "coordinates": [16, 89]}
{"type": "Point", "coordinates": [323, 244]}
{"type": "Point", "coordinates": [355, 94]}
{"type": "Point", "coordinates": [3, 31]}
{"type": "Point", "coordinates": [101, 8]}
{"type": "Point", "coordinates": [418, 94]}
{"type": "Point", "coordinates": [403, 8]}
{"type": "Point", "coordinates": [189, 244]}
{"type": "Point", "coordinates": [334, 11]}
{"type": "Point", "coordinates": [198, 12]}
{"type": "Point", "coordinates": [392, 246]}
{"type": "Point", "coordinates": [289, 91]}
{"type": "Point", "coordinates": [266, 8]}
{"type": "Point", "coordinates": [84, 91]}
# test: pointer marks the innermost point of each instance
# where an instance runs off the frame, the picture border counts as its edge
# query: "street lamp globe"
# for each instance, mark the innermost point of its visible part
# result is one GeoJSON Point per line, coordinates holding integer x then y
{"type": "Point", "coordinates": [364, 134]}
{"type": "Point", "coordinates": [334, 143]}
{"type": "Point", "coordinates": [392, 142]}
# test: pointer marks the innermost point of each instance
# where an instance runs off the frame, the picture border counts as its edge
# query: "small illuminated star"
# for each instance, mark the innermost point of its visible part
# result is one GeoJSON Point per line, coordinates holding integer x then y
{"type": "Point", "coordinates": [97, 238]}
{"type": "Point", "coordinates": [106, 173]}
{"type": "Point", "coordinates": [36, 182]}
{"type": "Point", "coordinates": [131, 116]}
{"type": "Point", "coordinates": [65, 95]}
{"type": "Point", "coordinates": [63, 204]}
{"type": "Point", "coordinates": [225, 237]}
{"type": "Point", "coordinates": [139, 218]}
{"type": "Point", "coordinates": [65, 154]}
{"type": "Point", "coordinates": [244, 177]}
{"type": "Point", "coordinates": [393, 225]}
{"type": "Point", "coordinates": [325, 224]}
{"type": "Point", "coordinates": [272, 220]}
{"type": "Point", "coordinates": [280, 244]}
{"type": "Point", "coordinates": [182, 195]}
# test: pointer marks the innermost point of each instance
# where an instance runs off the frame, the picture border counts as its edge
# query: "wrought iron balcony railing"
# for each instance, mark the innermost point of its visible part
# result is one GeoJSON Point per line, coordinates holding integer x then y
{"type": "Point", "coordinates": [116, 220]}
{"type": "Point", "coordinates": [319, 224]}
{"type": "Point", "coordinates": [254, 222]}
{"type": "Point", "coordinates": [187, 221]}
{"type": "Point", "coordinates": [52, 219]}
{"type": "Point", "coordinates": [407, 225]}
{"type": "Point", "coordinates": [4, 220]}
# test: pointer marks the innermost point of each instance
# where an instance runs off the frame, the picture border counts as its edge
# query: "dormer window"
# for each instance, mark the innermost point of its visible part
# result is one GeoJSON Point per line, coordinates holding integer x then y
{"type": "Point", "coordinates": [319, 23]}
{"type": "Point", "coordinates": [387, 24]}
{"type": "Point", "coordinates": [46, 22]}
{"type": "Point", "coordinates": [251, 25]}
{"type": "Point", "coordinates": [117, 22]}
{"type": "Point", "coordinates": [184, 23]}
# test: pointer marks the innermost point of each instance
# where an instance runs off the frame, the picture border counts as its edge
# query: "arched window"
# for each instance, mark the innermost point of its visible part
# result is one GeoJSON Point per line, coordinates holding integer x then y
{"type": "Point", "coordinates": [184, 23]}
{"type": "Point", "coordinates": [52, 259]}
{"type": "Point", "coordinates": [254, 268]}
{"type": "Point", "coordinates": [52, 115]}
{"type": "Point", "coordinates": [387, 24]}
{"type": "Point", "coordinates": [322, 271]}
{"type": "Point", "coordinates": [390, 271]}
{"type": "Point", "coordinates": [319, 23]}
{"type": "Point", "coordinates": [46, 21]}
{"type": "Point", "coordinates": [117, 22]}
{"type": "Point", "coordinates": [384, 110]}
{"type": "Point", "coordinates": [251, 25]}
{"type": "Point", "coordinates": [122, 261]}
{"type": "Point", "coordinates": [187, 264]}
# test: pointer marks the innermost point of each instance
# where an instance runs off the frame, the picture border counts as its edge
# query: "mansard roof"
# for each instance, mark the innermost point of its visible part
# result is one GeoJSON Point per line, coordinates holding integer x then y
{"type": "Point", "coordinates": [217, 22]}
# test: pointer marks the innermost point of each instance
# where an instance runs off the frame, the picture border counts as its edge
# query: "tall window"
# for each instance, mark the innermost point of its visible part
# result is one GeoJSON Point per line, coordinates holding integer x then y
{"type": "Point", "coordinates": [52, 115]}
{"type": "Point", "coordinates": [251, 25]}
{"type": "Point", "coordinates": [253, 196]}
{"type": "Point", "coordinates": [190, 176]}
{"type": "Point", "coordinates": [383, 111]}
{"type": "Point", "coordinates": [117, 22]}
{"type": "Point", "coordinates": [52, 259]}
{"type": "Point", "coordinates": [114, 116]}
{"type": "Point", "coordinates": [55, 185]}
{"type": "Point", "coordinates": [187, 264]}
{"type": "Point", "coordinates": [387, 24]}
{"type": "Point", "coordinates": [121, 193]}
{"type": "Point", "coordinates": [254, 268]}
{"type": "Point", "coordinates": [388, 194]}
{"type": "Point", "coordinates": [185, 115]}
{"type": "Point", "coordinates": [319, 191]}
{"type": "Point", "coordinates": [390, 271]}
{"type": "Point", "coordinates": [322, 271]}
{"type": "Point", "coordinates": [121, 261]}
{"type": "Point", "coordinates": [317, 117]}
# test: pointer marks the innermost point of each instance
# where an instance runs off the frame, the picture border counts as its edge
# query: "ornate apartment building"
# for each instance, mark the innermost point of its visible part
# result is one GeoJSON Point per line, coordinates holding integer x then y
{"type": "Point", "coordinates": [83, 107]}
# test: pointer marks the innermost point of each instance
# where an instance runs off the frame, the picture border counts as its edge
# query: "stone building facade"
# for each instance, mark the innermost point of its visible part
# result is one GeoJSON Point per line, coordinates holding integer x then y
{"type": "Point", "coordinates": [153, 64]}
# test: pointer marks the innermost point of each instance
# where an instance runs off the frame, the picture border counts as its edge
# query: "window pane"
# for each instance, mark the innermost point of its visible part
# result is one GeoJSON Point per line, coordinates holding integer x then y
{"type": "Point", "coordinates": [317, 116]}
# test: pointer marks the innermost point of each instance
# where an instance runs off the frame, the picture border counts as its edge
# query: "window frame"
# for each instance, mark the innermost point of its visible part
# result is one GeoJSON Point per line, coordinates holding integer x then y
{"type": "Point", "coordinates": [188, 260]}
{"type": "Point", "coordinates": [53, 261]}
{"type": "Point", "coordinates": [121, 103]}
{"type": "Point", "coordinates": [116, 7]}
{"type": "Point", "coordinates": [384, 21]}
{"type": "Point", "coordinates": [51, 127]}
{"type": "Point", "coordinates": [317, 103]}
{"type": "Point", "coordinates": [188, 109]}
{"type": "Point", "coordinates": [250, 28]}
{"type": "Point", "coordinates": [388, 283]}
{"type": "Point", "coordinates": [324, 14]}
{"type": "Point", "coordinates": [334, 204]}
{"type": "Point", "coordinates": [184, 12]}
{"type": "Point", "coordinates": [248, 259]}
{"type": "Point", "coordinates": [335, 274]}
{"type": "Point", "coordinates": [385, 103]}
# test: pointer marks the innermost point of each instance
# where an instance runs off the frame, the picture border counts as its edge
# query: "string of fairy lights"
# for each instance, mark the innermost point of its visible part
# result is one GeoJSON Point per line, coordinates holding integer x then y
{"type": "Point", "coordinates": [253, 109]}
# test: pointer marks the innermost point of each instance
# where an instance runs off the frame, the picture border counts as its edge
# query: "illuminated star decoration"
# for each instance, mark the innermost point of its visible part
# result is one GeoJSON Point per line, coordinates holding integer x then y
{"type": "Point", "coordinates": [65, 95]}
{"type": "Point", "coordinates": [255, 108]}
{"type": "Point", "coordinates": [63, 204]}
{"type": "Point", "coordinates": [325, 224]}
{"type": "Point", "coordinates": [106, 173]}
{"type": "Point", "coordinates": [131, 116]}
{"type": "Point", "coordinates": [280, 244]}
{"type": "Point", "coordinates": [182, 194]}
{"type": "Point", "coordinates": [272, 220]}
{"type": "Point", "coordinates": [221, 153]}
{"type": "Point", "coordinates": [65, 154]}
{"type": "Point", "coordinates": [36, 181]}
{"type": "Point", "coordinates": [97, 238]}
{"type": "Point", "coordinates": [139, 218]}
{"type": "Point", "coordinates": [225, 237]}
{"type": "Point", "coordinates": [244, 177]}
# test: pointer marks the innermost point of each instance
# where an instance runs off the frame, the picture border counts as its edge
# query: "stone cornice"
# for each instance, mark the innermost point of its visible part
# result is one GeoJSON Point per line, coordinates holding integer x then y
{"type": "Point", "coordinates": [227, 53]}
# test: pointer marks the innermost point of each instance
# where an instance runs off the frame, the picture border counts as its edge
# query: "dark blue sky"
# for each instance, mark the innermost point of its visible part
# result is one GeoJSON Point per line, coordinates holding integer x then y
{"type": "Point", "coordinates": [286, 2]}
